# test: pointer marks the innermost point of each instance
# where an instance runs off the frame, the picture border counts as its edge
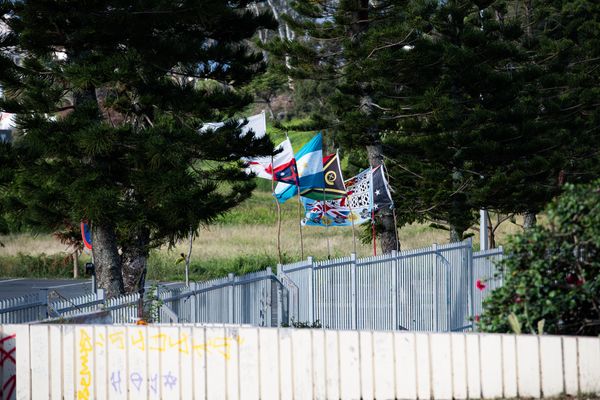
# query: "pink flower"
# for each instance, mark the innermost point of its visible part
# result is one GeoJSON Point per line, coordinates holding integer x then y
{"type": "Point", "coordinates": [477, 318]}
{"type": "Point", "coordinates": [480, 285]}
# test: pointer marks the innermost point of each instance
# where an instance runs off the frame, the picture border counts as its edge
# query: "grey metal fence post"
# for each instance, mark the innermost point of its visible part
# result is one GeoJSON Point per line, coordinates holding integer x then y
{"type": "Point", "coordinates": [230, 315]}
{"type": "Point", "coordinates": [353, 289]}
{"type": "Point", "coordinates": [394, 294]}
{"type": "Point", "coordinates": [268, 307]}
{"type": "Point", "coordinates": [471, 283]}
{"type": "Point", "coordinates": [192, 299]}
{"type": "Point", "coordinates": [279, 300]}
{"type": "Point", "coordinates": [435, 288]}
{"type": "Point", "coordinates": [495, 267]}
{"type": "Point", "coordinates": [311, 292]}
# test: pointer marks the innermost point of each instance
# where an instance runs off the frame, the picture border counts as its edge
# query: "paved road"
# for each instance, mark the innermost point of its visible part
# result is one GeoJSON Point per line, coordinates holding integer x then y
{"type": "Point", "coordinates": [66, 287]}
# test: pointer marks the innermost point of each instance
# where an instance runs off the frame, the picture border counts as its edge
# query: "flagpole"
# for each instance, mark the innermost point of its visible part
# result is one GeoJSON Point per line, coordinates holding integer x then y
{"type": "Point", "coordinates": [373, 232]}
{"type": "Point", "coordinates": [393, 211]}
{"type": "Point", "coordinates": [352, 221]}
{"type": "Point", "coordinates": [300, 224]}
{"type": "Point", "coordinates": [326, 225]}
{"type": "Point", "coordinates": [278, 212]}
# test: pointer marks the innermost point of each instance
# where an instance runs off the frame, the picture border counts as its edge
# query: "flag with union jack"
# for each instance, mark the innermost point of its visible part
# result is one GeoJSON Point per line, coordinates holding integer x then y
{"type": "Point", "coordinates": [331, 213]}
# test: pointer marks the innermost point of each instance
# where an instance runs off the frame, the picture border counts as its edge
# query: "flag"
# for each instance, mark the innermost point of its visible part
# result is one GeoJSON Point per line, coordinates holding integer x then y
{"type": "Point", "coordinates": [382, 198]}
{"type": "Point", "coordinates": [334, 181]}
{"type": "Point", "coordinates": [331, 213]}
{"type": "Point", "coordinates": [309, 161]}
{"type": "Point", "coordinates": [283, 168]}
{"type": "Point", "coordinates": [360, 194]}
{"type": "Point", "coordinates": [255, 123]}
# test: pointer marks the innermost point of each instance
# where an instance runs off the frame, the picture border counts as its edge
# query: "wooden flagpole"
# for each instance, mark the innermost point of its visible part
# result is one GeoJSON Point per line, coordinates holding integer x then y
{"type": "Point", "coordinates": [300, 221]}
{"type": "Point", "coordinates": [326, 225]}
{"type": "Point", "coordinates": [373, 232]}
{"type": "Point", "coordinates": [278, 212]}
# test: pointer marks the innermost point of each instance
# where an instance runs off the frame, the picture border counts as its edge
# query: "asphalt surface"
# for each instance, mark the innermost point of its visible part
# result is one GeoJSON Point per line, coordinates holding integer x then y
{"type": "Point", "coordinates": [66, 287]}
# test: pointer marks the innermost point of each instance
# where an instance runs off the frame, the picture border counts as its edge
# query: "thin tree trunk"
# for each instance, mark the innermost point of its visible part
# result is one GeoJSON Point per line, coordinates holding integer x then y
{"type": "Point", "coordinates": [388, 233]}
{"type": "Point", "coordinates": [134, 259]}
{"type": "Point", "coordinates": [529, 220]}
{"type": "Point", "coordinates": [106, 259]}
{"type": "Point", "coordinates": [456, 234]}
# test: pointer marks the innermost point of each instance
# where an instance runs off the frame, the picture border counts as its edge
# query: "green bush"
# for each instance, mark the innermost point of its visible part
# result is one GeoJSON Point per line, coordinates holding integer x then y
{"type": "Point", "coordinates": [552, 273]}
{"type": "Point", "coordinates": [38, 266]}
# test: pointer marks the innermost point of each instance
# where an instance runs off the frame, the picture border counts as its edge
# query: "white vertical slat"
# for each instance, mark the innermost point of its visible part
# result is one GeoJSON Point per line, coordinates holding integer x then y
{"type": "Point", "coordinates": [589, 364]}
{"type": "Point", "coordinates": [117, 362]}
{"type": "Point", "coordinates": [8, 367]}
{"type": "Point", "coordinates": [367, 384]}
{"type": "Point", "coordinates": [319, 370]}
{"type": "Point", "coordinates": [552, 366]}
{"type": "Point", "coordinates": [473, 367]}
{"type": "Point", "coordinates": [216, 371]}
{"type": "Point", "coordinates": [459, 366]}
{"type": "Point", "coordinates": [199, 360]}
{"type": "Point", "coordinates": [100, 362]}
{"type": "Point", "coordinates": [249, 371]}
{"type": "Point", "coordinates": [490, 347]}
{"type": "Point", "coordinates": [528, 366]}
{"type": "Point", "coordinates": [406, 364]}
{"type": "Point", "coordinates": [56, 355]}
{"type": "Point", "coordinates": [383, 351]}
{"type": "Point", "coordinates": [509, 366]}
{"type": "Point", "coordinates": [231, 347]}
{"type": "Point", "coordinates": [349, 365]}
{"type": "Point", "coordinates": [332, 364]}
{"type": "Point", "coordinates": [286, 383]}
{"type": "Point", "coordinates": [269, 364]}
{"type": "Point", "coordinates": [137, 343]}
{"type": "Point", "coordinates": [186, 360]}
{"type": "Point", "coordinates": [84, 362]}
{"type": "Point", "coordinates": [302, 359]}
{"type": "Point", "coordinates": [441, 365]}
{"type": "Point", "coordinates": [172, 344]}
{"type": "Point", "coordinates": [153, 369]}
{"type": "Point", "coordinates": [23, 362]}
{"type": "Point", "coordinates": [68, 369]}
{"type": "Point", "coordinates": [422, 366]}
{"type": "Point", "coordinates": [570, 358]}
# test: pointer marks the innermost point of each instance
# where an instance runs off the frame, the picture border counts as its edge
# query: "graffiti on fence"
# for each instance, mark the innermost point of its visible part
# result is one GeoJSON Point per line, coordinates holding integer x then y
{"type": "Point", "coordinates": [159, 342]}
{"type": "Point", "coordinates": [85, 373]}
{"type": "Point", "coordinates": [8, 363]}
{"type": "Point", "coordinates": [168, 381]}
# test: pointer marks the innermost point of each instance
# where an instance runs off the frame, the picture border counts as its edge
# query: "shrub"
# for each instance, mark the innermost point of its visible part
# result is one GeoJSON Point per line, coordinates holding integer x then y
{"type": "Point", "coordinates": [552, 273]}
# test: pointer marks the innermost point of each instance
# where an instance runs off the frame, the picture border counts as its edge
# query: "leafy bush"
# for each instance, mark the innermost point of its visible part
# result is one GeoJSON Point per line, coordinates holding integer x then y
{"type": "Point", "coordinates": [552, 273]}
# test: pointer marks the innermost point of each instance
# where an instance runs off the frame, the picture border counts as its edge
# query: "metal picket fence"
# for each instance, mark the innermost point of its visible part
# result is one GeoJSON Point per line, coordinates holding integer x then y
{"type": "Point", "coordinates": [429, 289]}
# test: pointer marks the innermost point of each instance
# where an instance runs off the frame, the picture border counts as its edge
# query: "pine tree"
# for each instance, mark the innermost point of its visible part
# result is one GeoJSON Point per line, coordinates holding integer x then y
{"type": "Point", "coordinates": [110, 108]}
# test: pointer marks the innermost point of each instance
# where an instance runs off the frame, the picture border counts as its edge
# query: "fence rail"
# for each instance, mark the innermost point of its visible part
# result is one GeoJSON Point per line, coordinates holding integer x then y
{"type": "Point", "coordinates": [437, 288]}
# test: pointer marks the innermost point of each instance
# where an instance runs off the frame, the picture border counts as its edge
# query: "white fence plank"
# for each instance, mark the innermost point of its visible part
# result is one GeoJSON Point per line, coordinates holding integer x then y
{"type": "Point", "coordinates": [319, 367]}
{"type": "Point", "coordinates": [248, 350]}
{"type": "Point", "coordinates": [349, 365]}
{"type": "Point", "coordinates": [302, 364]}
{"type": "Point", "coordinates": [383, 352]}
{"type": "Point", "coordinates": [367, 383]}
{"type": "Point", "coordinates": [216, 368]}
{"type": "Point", "coordinates": [8, 366]}
{"type": "Point", "coordinates": [551, 363]}
{"type": "Point", "coordinates": [423, 368]}
{"type": "Point", "coordinates": [589, 364]}
{"type": "Point", "coordinates": [571, 377]}
{"type": "Point", "coordinates": [332, 364]}
{"type": "Point", "coordinates": [491, 366]}
{"type": "Point", "coordinates": [186, 360]}
{"type": "Point", "coordinates": [473, 367]}
{"type": "Point", "coordinates": [85, 365]}
{"type": "Point", "coordinates": [406, 373]}
{"type": "Point", "coordinates": [286, 372]}
{"type": "Point", "coordinates": [101, 362]}
{"type": "Point", "coordinates": [509, 366]}
{"type": "Point", "coordinates": [441, 365]}
{"type": "Point", "coordinates": [269, 364]}
{"type": "Point", "coordinates": [528, 366]}
{"type": "Point", "coordinates": [459, 366]}
{"type": "Point", "coordinates": [199, 360]}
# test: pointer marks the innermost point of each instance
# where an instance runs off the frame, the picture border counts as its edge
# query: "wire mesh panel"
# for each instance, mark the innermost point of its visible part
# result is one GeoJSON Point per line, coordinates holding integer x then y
{"type": "Point", "coordinates": [453, 263]}
{"type": "Point", "coordinates": [486, 276]}
{"type": "Point", "coordinates": [416, 290]}
{"type": "Point", "coordinates": [374, 286]}
{"type": "Point", "coordinates": [333, 293]}
{"type": "Point", "coordinates": [252, 299]}
{"type": "Point", "coordinates": [301, 274]}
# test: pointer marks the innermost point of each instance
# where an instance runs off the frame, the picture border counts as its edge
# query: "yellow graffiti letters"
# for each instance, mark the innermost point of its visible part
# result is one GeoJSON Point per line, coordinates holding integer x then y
{"type": "Point", "coordinates": [85, 374]}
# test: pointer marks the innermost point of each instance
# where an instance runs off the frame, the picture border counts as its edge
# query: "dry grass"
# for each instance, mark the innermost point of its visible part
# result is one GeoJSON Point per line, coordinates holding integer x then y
{"type": "Point", "coordinates": [229, 241]}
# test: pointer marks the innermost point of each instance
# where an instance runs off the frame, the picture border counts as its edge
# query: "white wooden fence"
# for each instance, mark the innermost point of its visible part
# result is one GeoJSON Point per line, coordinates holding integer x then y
{"type": "Point", "coordinates": [236, 362]}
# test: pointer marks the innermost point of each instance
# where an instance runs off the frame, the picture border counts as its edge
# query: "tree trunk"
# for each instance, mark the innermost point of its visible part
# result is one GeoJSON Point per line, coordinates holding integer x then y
{"type": "Point", "coordinates": [134, 259]}
{"type": "Point", "coordinates": [389, 233]}
{"type": "Point", "coordinates": [529, 220]}
{"type": "Point", "coordinates": [106, 259]}
{"type": "Point", "coordinates": [456, 234]}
